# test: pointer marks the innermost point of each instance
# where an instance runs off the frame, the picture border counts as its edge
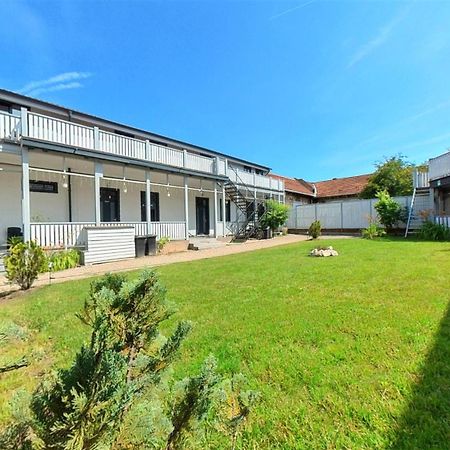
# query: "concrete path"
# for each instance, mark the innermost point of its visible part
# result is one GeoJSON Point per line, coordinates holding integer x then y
{"type": "Point", "coordinates": [160, 260]}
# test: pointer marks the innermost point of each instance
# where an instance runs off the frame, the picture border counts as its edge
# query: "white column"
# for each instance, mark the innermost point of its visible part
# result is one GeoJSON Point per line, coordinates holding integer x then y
{"type": "Point", "coordinates": [148, 215]}
{"type": "Point", "coordinates": [97, 179]}
{"type": "Point", "coordinates": [25, 194]}
{"type": "Point", "coordinates": [224, 222]}
{"type": "Point", "coordinates": [24, 121]}
{"type": "Point", "coordinates": [96, 138]}
{"type": "Point", "coordinates": [186, 208]}
{"type": "Point", "coordinates": [215, 210]}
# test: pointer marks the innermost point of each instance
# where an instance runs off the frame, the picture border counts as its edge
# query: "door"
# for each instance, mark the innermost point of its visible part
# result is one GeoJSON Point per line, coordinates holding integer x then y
{"type": "Point", "coordinates": [109, 205]}
{"type": "Point", "coordinates": [202, 215]}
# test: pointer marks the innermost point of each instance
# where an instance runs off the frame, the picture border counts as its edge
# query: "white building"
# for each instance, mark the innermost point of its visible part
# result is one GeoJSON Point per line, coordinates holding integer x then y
{"type": "Point", "coordinates": [62, 171]}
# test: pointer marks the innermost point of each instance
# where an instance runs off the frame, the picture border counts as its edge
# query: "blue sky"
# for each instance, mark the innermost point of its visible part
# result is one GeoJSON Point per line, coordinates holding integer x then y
{"type": "Point", "coordinates": [313, 89]}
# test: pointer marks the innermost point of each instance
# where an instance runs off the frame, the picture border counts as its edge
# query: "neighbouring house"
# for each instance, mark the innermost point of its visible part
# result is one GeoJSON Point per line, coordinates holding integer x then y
{"type": "Point", "coordinates": [299, 191]}
{"type": "Point", "coordinates": [436, 183]}
{"type": "Point", "coordinates": [63, 172]}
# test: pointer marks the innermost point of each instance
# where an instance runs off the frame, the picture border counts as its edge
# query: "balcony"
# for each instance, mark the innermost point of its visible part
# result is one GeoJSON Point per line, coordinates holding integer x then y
{"type": "Point", "coordinates": [52, 130]}
{"type": "Point", "coordinates": [439, 167]}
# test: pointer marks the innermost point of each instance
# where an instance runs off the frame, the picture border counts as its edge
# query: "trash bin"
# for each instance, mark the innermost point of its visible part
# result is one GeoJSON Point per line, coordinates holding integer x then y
{"type": "Point", "coordinates": [150, 248]}
{"type": "Point", "coordinates": [267, 233]}
{"type": "Point", "coordinates": [139, 245]}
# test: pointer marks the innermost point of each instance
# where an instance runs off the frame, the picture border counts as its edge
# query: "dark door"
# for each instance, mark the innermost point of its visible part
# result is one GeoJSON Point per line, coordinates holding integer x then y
{"type": "Point", "coordinates": [109, 205]}
{"type": "Point", "coordinates": [202, 214]}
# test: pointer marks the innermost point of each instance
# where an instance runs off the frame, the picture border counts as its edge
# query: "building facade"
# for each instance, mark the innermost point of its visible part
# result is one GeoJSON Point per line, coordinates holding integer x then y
{"type": "Point", "coordinates": [62, 171]}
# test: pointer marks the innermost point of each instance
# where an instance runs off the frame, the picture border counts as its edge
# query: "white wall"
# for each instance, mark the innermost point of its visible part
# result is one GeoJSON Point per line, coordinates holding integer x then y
{"type": "Point", "coordinates": [10, 202]}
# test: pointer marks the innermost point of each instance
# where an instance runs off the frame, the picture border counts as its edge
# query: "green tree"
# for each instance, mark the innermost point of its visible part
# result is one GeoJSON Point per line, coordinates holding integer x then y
{"type": "Point", "coordinates": [275, 215]}
{"type": "Point", "coordinates": [393, 175]}
{"type": "Point", "coordinates": [389, 211]}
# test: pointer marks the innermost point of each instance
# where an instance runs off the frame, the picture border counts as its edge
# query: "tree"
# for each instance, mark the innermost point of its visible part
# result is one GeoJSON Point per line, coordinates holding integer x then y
{"type": "Point", "coordinates": [389, 211]}
{"type": "Point", "coordinates": [24, 262]}
{"type": "Point", "coordinates": [393, 175]}
{"type": "Point", "coordinates": [275, 215]}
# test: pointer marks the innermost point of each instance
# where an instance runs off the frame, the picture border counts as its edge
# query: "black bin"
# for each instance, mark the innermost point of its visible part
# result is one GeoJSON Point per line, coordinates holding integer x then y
{"type": "Point", "coordinates": [139, 245]}
{"type": "Point", "coordinates": [150, 248]}
{"type": "Point", "coordinates": [13, 232]}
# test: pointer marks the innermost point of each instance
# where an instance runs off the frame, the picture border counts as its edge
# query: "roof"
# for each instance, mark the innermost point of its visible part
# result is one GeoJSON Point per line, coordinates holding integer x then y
{"type": "Point", "coordinates": [340, 187]}
{"type": "Point", "coordinates": [295, 185]}
{"type": "Point", "coordinates": [24, 100]}
{"type": "Point", "coordinates": [337, 187]}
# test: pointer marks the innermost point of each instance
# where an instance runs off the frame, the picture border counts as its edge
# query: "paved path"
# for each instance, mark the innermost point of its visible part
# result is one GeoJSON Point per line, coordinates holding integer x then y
{"type": "Point", "coordinates": [161, 260]}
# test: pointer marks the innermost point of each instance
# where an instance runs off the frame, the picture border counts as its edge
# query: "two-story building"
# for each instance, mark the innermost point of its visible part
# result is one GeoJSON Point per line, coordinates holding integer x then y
{"type": "Point", "coordinates": [62, 170]}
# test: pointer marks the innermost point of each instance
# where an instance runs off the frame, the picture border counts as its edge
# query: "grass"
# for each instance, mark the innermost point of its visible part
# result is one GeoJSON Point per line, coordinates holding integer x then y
{"type": "Point", "coordinates": [350, 352]}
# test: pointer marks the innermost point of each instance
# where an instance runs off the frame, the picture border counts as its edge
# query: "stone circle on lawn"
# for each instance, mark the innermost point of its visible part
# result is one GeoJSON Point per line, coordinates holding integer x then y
{"type": "Point", "coordinates": [328, 251]}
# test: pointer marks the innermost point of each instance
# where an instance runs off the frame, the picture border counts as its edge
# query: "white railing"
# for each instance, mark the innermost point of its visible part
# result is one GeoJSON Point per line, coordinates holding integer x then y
{"type": "Point", "coordinates": [199, 162]}
{"type": "Point", "coordinates": [420, 179]}
{"type": "Point", "coordinates": [121, 145]}
{"type": "Point", "coordinates": [69, 234]}
{"type": "Point", "coordinates": [58, 234]}
{"type": "Point", "coordinates": [9, 126]}
{"type": "Point", "coordinates": [443, 220]}
{"type": "Point", "coordinates": [439, 167]}
{"type": "Point", "coordinates": [51, 129]}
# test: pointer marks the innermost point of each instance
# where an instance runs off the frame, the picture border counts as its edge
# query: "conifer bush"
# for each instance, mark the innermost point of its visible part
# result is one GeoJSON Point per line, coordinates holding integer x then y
{"type": "Point", "coordinates": [116, 394]}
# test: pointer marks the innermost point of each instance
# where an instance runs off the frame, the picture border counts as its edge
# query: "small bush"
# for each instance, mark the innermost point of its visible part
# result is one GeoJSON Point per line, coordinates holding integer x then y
{"type": "Point", "coordinates": [63, 260]}
{"type": "Point", "coordinates": [24, 262]}
{"type": "Point", "coordinates": [163, 241]}
{"type": "Point", "coordinates": [373, 231]}
{"type": "Point", "coordinates": [315, 229]}
{"type": "Point", "coordinates": [389, 211]}
{"type": "Point", "coordinates": [431, 231]}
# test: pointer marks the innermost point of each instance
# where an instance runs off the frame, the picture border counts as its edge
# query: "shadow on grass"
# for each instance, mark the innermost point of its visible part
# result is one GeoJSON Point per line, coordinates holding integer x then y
{"type": "Point", "coordinates": [426, 422]}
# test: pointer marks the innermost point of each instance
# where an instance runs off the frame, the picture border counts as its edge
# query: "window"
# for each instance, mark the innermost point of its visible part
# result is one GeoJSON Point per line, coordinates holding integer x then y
{"type": "Point", "coordinates": [247, 169]}
{"type": "Point", "coordinates": [227, 210]}
{"type": "Point", "coordinates": [6, 107]}
{"type": "Point", "coordinates": [154, 206]}
{"type": "Point", "coordinates": [48, 187]}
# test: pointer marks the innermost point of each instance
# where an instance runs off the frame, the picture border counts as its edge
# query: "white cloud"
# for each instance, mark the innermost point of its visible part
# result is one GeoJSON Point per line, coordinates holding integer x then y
{"type": "Point", "coordinates": [56, 87]}
{"type": "Point", "coordinates": [287, 11]}
{"type": "Point", "coordinates": [66, 80]}
{"type": "Point", "coordinates": [381, 38]}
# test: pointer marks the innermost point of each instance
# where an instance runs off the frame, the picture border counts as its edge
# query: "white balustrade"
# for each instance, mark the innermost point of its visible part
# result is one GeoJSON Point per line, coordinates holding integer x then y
{"type": "Point", "coordinates": [68, 234]}
{"type": "Point", "coordinates": [439, 167]}
{"type": "Point", "coordinates": [51, 129]}
{"type": "Point", "coordinates": [9, 126]}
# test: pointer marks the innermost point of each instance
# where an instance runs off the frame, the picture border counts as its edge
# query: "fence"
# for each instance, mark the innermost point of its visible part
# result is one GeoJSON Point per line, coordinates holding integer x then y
{"type": "Point", "coordinates": [349, 214]}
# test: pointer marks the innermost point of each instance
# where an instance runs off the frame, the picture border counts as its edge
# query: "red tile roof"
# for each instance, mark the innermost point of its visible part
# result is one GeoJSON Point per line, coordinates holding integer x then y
{"type": "Point", "coordinates": [295, 185]}
{"type": "Point", "coordinates": [339, 187]}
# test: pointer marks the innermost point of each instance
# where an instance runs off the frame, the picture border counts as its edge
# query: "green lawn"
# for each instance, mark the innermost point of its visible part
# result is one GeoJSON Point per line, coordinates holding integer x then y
{"type": "Point", "coordinates": [350, 352]}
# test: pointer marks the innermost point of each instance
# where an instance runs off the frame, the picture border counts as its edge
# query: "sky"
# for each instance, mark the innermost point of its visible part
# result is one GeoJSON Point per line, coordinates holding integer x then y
{"type": "Point", "coordinates": [313, 89]}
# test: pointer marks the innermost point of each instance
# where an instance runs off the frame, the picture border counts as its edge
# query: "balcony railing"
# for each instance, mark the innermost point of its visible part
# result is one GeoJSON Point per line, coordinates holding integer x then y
{"type": "Point", "coordinates": [420, 179]}
{"type": "Point", "coordinates": [51, 129]}
{"type": "Point", "coordinates": [439, 167]}
{"type": "Point", "coordinates": [69, 234]}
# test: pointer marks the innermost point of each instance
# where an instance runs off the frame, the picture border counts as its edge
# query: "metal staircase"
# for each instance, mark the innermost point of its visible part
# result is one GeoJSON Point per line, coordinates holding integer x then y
{"type": "Point", "coordinates": [249, 210]}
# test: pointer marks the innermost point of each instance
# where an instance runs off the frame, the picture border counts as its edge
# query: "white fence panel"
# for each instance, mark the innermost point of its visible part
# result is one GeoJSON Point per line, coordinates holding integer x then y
{"type": "Point", "coordinates": [329, 215]}
{"type": "Point", "coordinates": [356, 214]}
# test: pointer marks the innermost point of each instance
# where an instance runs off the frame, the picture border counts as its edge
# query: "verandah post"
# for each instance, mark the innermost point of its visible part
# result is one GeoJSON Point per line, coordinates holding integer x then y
{"type": "Point", "coordinates": [26, 194]}
{"type": "Point", "coordinates": [148, 215]}
{"type": "Point", "coordinates": [216, 234]}
{"type": "Point", "coordinates": [186, 209]}
{"type": "Point", "coordinates": [224, 219]}
{"type": "Point", "coordinates": [97, 180]}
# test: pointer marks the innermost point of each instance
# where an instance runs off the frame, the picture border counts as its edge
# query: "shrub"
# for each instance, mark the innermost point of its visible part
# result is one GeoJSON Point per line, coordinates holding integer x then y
{"type": "Point", "coordinates": [389, 211]}
{"type": "Point", "coordinates": [24, 262]}
{"type": "Point", "coordinates": [275, 215]}
{"type": "Point", "coordinates": [373, 231]}
{"type": "Point", "coordinates": [315, 229]}
{"type": "Point", "coordinates": [431, 231]}
{"type": "Point", "coordinates": [63, 260]}
{"type": "Point", "coordinates": [163, 241]}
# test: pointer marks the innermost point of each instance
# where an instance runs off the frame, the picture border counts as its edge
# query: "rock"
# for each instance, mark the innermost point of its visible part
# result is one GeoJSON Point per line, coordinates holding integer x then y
{"type": "Point", "coordinates": [324, 252]}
